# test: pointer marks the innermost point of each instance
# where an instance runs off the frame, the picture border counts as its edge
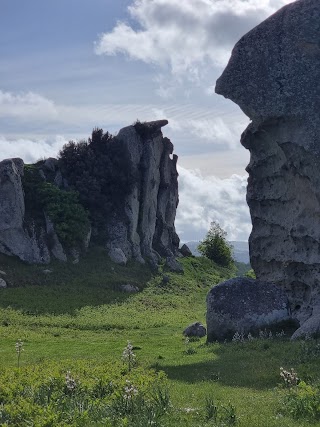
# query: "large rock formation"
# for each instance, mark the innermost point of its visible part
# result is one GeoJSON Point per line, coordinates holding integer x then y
{"type": "Point", "coordinates": [274, 76]}
{"type": "Point", "coordinates": [136, 217]}
{"type": "Point", "coordinates": [244, 306]}
{"type": "Point", "coordinates": [15, 238]}
{"type": "Point", "coordinates": [144, 227]}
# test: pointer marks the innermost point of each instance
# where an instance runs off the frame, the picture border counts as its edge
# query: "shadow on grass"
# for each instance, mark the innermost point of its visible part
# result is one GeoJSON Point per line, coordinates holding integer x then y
{"type": "Point", "coordinates": [252, 365]}
{"type": "Point", "coordinates": [67, 287]}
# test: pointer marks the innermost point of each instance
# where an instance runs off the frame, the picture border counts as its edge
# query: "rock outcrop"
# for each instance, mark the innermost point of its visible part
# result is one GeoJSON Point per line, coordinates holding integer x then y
{"type": "Point", "coordinates": [15, 239]}
{"type": "Point", "coordinates": [144, 227]}
{"type": "Point", "coordinates": [135, 222]}
{"type": "Point", "coordinates": [246, 306]}
{"type": "Point", "coordinates": [274, 76]}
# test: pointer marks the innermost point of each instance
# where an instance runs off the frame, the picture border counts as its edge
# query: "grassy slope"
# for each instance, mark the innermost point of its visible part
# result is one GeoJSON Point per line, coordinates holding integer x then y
{"type": "Point", "coordinates": [77, 312]}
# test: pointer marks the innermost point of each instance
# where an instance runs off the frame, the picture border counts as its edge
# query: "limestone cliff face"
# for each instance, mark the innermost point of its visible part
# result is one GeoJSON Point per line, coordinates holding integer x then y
{"type": "Point", "coordinates": [144, 227]}
{"type": "Point", "coordinates": [274, 76]}
{"type": "Point", "coordinates": [15, 239]}
{"type": "Point", "coordinates": [138, 223]}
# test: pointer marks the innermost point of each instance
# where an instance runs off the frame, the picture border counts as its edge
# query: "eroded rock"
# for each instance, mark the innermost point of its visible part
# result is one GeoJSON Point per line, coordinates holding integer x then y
{"type": "Point", "coordinates": [246, 306]}
{"type": "Point", "coordinates": [274, 76]}
{"type": "Point", "coordinates": [144, 228]}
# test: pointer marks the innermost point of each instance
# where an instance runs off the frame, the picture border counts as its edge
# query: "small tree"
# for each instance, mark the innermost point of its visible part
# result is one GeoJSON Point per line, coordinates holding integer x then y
{"type": "Point", "coordinates": [216, 247]}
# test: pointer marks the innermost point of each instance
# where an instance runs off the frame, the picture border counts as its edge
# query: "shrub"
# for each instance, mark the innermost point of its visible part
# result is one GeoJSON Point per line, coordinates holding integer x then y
{"type": "Point", "coordinates": [216, 247]}
{"type": "Point", "coordinates": [99, 169]}
{"type": "Point", "coordinates": [62, 207]}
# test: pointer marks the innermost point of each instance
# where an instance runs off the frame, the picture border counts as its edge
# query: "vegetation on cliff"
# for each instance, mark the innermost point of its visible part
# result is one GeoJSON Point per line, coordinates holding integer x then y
{"type": "Point", "coordinates": [62, 207]}
{"type": "Point", "coordinates": [98, 169]}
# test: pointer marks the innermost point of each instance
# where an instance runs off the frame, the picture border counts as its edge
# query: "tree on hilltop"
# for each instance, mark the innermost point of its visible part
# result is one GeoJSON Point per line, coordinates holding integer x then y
{"type": "Point", "coordinates": [216, 247]}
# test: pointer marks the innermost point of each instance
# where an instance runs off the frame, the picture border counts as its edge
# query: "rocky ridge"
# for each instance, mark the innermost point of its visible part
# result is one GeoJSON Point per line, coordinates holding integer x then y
{"type": "Point", "coordinates": [140, 225]}
{"type": "Point", "coordinates": [274, 76]}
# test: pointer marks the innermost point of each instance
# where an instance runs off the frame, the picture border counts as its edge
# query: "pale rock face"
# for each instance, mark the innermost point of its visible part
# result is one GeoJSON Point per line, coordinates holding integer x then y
{"type": "Point", "coordinates": [28, 245]}
{"type": "Point", "coordinates": [245, 306]}
{"type": "Point", "coordinates": [116, 255]}
{"type": "Point", "coordinates": [274, 76]}
{"type": "Point", "coordinates": [144, 229]}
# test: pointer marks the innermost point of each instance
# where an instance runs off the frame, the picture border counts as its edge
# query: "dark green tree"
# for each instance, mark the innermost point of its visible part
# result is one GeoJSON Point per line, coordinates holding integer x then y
{"type": "Point", "coordinates": [216, 247]}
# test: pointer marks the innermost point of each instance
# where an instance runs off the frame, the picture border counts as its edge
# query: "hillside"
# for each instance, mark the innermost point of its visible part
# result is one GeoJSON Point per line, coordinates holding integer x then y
{"type": "Point", "coordinates": [74, 323]}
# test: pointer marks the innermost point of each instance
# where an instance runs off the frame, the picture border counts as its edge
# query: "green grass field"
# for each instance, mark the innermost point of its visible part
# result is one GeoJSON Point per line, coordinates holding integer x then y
{"type": "Point", "coordinates": [76, 319]}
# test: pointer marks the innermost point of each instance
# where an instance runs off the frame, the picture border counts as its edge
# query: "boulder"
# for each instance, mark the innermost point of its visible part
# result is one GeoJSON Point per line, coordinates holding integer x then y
{"type": "Point", "coordinates": [195, 330]}
{"type": "Point", "coordinates": [3, 273]}
{"type": "Point", "coordinates": [246, 306]}
{"type": "Point", "coordinates": [173, 265]}
{"type": "Point", "coordinates": [117, 256]}
{"type": "Point", "coordinates": [3, 284]}
{"type": "Point", "coordinates": [185, 251]}
{"type": "Point", "coordinates": [130, 289]}
{"type": "Point", "coordinates": [274, 75]}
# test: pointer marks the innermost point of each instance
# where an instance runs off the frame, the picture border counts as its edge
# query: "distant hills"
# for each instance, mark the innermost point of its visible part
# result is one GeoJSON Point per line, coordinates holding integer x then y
{"type": "Point", "coordinates": [240, 250]}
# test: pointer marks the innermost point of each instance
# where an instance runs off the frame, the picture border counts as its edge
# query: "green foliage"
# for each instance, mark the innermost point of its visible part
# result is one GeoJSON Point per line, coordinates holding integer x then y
{"type": "Point", "coordinates": [216, 247]}
{"type": "Point", "coordinates": [99, 170]}
{"type": "Point", "coordinates": [251, 274]}
{"type": "Point", "coordinates": [62, 207]}
{"type": "Point", "coordinates": [101, 395]}
{"type": "Point", "coordinates": [80, 322]}
{"type": "Point", "coordinates": [302, 402]}
{"type": "Point", "coordinates": [221, 415]}
{"type": "Point", "coordinates": [142, 129]}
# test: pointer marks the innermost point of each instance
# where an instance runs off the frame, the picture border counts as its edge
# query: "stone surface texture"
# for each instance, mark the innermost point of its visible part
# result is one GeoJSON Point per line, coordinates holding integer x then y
{"type": "Point", "coordinates": [274, 76]}
{"type": "Point", "coordinates": [245, 306]}
{"type": "Point", "coordinates": [196, 329]}
{"type": "Point", "coordinates": [144, 228]}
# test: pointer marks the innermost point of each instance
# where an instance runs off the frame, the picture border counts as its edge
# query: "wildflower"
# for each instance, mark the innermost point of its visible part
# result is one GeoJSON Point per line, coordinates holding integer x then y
{"type": "Point", "coordinates": [128, 355]}
{"type": "Point", "coordinates": [71, 383]}
{"type": "Point", "coordinates": [129, 391]}
{"type": "Point", "coordinates": [250, 337]}
{"type": "Point", "coordinates": [290, 378]}
{"type": "Point", "coordinates": [238, 337]}
{"type": "Point", "coordinates": [19, 350]}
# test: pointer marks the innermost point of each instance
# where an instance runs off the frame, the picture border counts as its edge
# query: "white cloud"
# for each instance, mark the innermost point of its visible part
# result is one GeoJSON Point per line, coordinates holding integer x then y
{"type": "Point", "coordinates": [27, 105]}
{"type": "Point", "coordinates": [207, 199]}
{"type": "Point", "coordinates": [30, 151]}
{"type": "Point", "coordinates": [185, 36]}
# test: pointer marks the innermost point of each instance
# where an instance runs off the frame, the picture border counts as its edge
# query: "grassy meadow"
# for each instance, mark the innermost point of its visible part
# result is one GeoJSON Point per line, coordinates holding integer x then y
{"type": "Point", "coordinates": [75, 323]}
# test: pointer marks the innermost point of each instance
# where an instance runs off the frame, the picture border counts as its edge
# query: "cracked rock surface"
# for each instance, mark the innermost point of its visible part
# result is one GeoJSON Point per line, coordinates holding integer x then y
{"type": "Point", "coordinates": [274, 76]}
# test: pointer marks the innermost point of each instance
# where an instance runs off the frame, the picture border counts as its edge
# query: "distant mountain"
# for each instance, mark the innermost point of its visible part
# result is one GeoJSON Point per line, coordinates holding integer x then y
{"type": "Point", "coordinates": [240, 250]}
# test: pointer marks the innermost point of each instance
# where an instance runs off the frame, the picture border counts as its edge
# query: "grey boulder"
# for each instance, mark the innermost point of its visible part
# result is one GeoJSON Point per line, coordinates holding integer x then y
{"type": "Point", "coordinates": [117, 256]}
{"type": "Point", "coordinates": [3, 284]}
{"type": "Point", "coordinates": [245, 306]}
{"type": "Point", "coordinates": [185, 251]}
{"type": "Point", "coordinates": [196, 329]}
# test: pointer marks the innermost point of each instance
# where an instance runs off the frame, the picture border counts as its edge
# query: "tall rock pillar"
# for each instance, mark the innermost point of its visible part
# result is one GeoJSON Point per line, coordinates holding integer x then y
{"type": "Point", "coordinates": [274, 76]}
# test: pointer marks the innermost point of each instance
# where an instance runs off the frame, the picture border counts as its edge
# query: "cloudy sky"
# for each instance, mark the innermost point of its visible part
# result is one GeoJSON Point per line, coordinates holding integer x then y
{"type": "Point", "coordinates": [67, 66]}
